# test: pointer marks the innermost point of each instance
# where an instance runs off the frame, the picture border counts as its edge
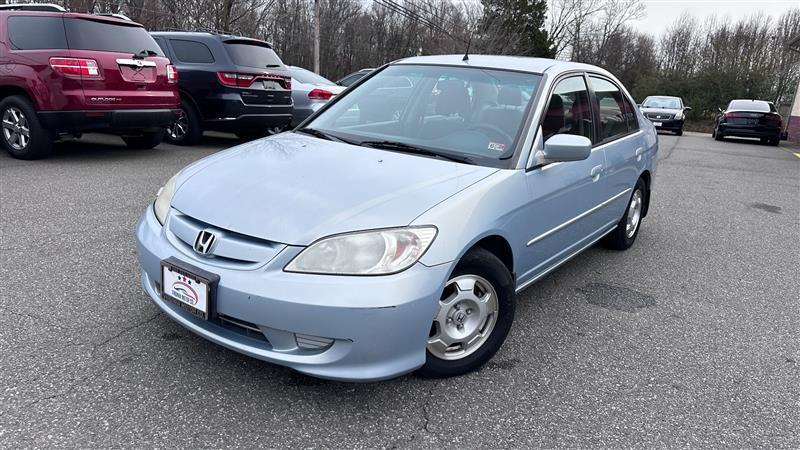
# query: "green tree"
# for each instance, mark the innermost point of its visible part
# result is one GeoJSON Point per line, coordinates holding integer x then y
{"type": "Point", "coordinates": [516, 27]}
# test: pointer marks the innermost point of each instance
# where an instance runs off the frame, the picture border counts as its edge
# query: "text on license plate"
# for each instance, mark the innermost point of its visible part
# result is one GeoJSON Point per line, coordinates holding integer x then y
{"type": "Point", "coordinates": [186, 289]}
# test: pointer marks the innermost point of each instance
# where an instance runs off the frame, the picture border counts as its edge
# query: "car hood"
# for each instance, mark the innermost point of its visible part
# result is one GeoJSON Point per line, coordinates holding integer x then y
{"type": "Point", "coordinates": [294, 189]}
{"type": "Point", "coordinates": [660, 110]}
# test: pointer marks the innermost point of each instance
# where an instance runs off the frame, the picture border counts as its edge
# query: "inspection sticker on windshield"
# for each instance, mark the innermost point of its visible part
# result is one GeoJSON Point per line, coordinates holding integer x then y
{"type": "Point", "coordinates": [496, 146]}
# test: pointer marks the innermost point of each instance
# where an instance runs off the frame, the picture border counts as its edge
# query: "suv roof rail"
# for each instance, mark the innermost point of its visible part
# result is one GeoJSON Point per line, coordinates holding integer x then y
{"type": "Point", "coordinates": [117, 15]}
{"type": "Point", "coordinates": [32, 7]}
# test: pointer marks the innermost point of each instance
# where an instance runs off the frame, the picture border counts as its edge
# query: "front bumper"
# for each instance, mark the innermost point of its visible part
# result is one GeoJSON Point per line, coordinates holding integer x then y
{"type": "Point", "coordinates": [121, 119]}
{"type": "Point", "coordinates": [674, 125]}
{"type": "Point", "coordinates": [378, 325]}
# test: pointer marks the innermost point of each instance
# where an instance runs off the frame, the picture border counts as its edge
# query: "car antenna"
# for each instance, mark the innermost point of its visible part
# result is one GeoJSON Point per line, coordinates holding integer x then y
{"type": "Point", "coordinates": [466, 53]}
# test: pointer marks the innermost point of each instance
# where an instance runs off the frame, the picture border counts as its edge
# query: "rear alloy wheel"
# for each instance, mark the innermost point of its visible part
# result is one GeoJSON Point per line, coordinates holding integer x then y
{"type": "Point", "coordinates": [23, 135]}
{"type": "Point", "coordinates": [145, 140]}
{"type": "Point", "coordinates": [472, 317]}
{"type": "Point", "coordinates": [627, 228]}
{"type": "Point", "coordinates": [186, 130]}
{"type": "Point", "coordinates": [717, 135]}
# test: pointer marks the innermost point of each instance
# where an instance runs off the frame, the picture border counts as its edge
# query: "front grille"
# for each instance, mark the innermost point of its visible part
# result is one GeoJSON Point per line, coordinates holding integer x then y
{"type": "Point", "coordinates": [229, 248]}
{"type": "Point", "coordinates": [658, 116]}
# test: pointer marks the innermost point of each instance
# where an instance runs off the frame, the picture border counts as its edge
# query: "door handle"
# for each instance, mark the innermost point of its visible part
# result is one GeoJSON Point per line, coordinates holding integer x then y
{"type": "Point", "coordinates": [639, 152]}
{"type": "Point", "coordinates": [595, 172]}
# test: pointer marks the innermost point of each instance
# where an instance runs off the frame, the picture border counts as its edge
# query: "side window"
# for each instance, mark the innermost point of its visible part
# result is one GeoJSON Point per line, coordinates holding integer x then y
{"type": "Point", "coordinates": [35, 33]}
{"type": "Point", "coordinates": [191, 52]}
{"type": "Point", "coordinates": [569, 110]}
{"type": "Point", "coordinates": [613, 122]}
{"type": "Point", "coordinates": [630, 115]}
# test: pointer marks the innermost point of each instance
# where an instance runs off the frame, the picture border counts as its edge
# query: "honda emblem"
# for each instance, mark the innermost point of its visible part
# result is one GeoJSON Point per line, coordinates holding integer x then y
{"type": "Point", "coordinates": [204, 242]}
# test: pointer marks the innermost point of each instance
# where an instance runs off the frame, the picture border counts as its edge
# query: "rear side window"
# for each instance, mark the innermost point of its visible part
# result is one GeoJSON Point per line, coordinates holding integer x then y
{"type": "Point", "coordinates": [249, 55]}
{"type": "Point", "coordinates": [83, 34]}
{"type": "Point", "coordinates": [35, 33]}
{"type": "Point", "coordinates": [614, 113]}
{"type": "Point", "coordinates": [191, 52]}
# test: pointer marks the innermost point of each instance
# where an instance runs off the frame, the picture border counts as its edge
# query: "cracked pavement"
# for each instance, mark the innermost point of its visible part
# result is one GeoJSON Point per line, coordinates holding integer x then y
{"type": "Point", "coordinates": [690, 338]}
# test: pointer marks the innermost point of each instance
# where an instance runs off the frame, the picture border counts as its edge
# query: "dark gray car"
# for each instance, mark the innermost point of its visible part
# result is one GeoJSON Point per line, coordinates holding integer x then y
{"type": "Point", "coordinates": [666, 113]}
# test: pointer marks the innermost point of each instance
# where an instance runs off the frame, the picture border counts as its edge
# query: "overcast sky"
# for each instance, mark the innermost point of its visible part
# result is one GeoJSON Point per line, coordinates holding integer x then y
{"type": "Point", "coordinates": [661, 13]}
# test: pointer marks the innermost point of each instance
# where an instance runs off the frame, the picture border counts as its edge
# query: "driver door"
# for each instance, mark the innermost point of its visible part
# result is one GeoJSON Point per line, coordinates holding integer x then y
{"type": "Point", "coordinates": [562, 196]}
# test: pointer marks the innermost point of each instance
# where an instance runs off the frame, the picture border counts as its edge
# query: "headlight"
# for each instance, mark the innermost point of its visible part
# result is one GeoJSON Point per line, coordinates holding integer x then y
{"type": "Point", "coordinates": [377, 252]}
{"type": "Point", "coordinates": [679, 116]}
{"type": "Point", "coordinates": [164, 199]}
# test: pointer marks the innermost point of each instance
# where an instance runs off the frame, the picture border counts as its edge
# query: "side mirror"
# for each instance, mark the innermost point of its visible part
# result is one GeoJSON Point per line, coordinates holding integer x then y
{"type": "Point", "coordinates": [687, 108]}
{"type": "Point", "coordinates": [719, 109]}
{"type": "Point", "coordinates": [566, 147]}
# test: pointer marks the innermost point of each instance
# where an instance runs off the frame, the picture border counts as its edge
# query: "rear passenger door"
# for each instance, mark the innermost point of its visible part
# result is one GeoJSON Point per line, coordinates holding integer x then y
{"type": "Point", "coordinates": [620, 140]}
{"type": "Point", "coordinates": [197, 74]}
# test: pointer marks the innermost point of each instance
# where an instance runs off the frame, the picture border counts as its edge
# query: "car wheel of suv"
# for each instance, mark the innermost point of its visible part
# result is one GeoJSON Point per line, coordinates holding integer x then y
{"type": "Point", "coordinates": [145, 140]}
{"type": "Point", "coordinates": [776, 141]}
{"type": "Point", "coordinates": [23, 135]}
{"type": "Point", "coordinates": [187, 129]}
{"type": "Point", "coordinates": [473, 316]}
{"type": "Point", "coordinates": [627, 228]}
{"type": "Point", "coordinates": [679, 132]}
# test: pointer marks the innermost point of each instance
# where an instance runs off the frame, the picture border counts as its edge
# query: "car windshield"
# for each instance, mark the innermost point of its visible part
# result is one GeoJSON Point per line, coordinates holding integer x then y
{"type": "Point", "coordinates": [749, 105]}
{"type": "Point", "coordinates": [309, 77]}
{"type": "Point", "coordinates": [471, 114]}
{"type": "Point", "coordinates": [662, 102]}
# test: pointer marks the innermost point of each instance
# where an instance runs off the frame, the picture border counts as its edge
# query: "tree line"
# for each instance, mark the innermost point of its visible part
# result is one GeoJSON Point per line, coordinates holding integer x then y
{"type": "Point", "coordinates": [707, 63]}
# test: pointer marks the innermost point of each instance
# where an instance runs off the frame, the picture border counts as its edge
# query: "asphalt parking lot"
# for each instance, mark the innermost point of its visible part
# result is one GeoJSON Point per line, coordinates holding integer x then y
{"type": "Point", "coordinates": [690, 338]}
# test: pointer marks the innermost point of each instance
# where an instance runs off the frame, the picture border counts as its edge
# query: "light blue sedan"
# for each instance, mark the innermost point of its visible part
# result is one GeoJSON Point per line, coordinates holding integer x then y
{"type": "Point", "coordinates": [391, 231]}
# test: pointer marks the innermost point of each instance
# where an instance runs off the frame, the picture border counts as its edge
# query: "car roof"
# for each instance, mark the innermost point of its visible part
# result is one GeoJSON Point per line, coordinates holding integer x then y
{"type": "Point", "coordinates": [209, 35]}
{"type": "Point", "coordinates": [73, 15]}
{"type": "Point", "coordinates": [520, 63]}
{"type": "Point", "coordinates": [663, 96]}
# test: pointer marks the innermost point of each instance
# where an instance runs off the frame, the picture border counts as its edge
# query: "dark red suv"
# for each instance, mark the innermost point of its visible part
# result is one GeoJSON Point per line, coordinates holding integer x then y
{"type": "Point", "coordinates": [66, 73]}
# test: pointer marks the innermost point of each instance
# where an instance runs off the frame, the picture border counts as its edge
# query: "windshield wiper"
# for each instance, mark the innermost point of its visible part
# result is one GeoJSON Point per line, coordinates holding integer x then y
{"type": "Point", "coordinates": [322, 135]}
{"type": "Point", "coordinates": [141, 54]}
{"type": "Point", "coordinates": [407, 148]}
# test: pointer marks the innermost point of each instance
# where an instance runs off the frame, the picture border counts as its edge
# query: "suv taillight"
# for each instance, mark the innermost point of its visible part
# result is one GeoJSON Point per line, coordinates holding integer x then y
{"type": "Point", "coordinates": [172, 73]}
{"type": "Point", "coordinates": [76, 67]}
{"type": "Point", "coordinates": [732, 115]}
{"type": "Point", "coordinates": [320, 94]}
{"type": "Point", "coordinates": [236, 79]}
{"type": "Point", "coordinates": [774, 118]}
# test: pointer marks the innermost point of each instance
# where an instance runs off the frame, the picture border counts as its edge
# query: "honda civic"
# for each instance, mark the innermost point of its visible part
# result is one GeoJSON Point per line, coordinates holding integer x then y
{"type": "Point", "coordinates": [393, 231]}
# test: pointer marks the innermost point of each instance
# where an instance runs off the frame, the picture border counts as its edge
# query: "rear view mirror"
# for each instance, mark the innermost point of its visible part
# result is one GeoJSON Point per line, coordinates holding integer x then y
{"type": "Point", "coordinates": [566, 147]}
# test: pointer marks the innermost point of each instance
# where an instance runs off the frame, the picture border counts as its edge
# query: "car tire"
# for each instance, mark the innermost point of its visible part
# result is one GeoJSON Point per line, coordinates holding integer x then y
{"type": "Point", "coordinates": [478, 304]}
{"type": "Point", "coordinates": [187, 129]}
{"type": "Point", "coordinates": [717, 135]}
{"type": "Point", "coordinates": [19, 117]}
{"type": "Point", "coordinates": [624, 235]}
{"type": "Point", "coordinates": [679, 133]}
{"type": "Point", "coordinates": [776, 141]}
{"type": "Point", "coordinates": [145, 140]}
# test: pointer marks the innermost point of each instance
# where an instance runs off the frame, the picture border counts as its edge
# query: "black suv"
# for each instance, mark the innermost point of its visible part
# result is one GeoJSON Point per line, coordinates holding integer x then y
{"type": "Point", "coordinates": [227, 83]}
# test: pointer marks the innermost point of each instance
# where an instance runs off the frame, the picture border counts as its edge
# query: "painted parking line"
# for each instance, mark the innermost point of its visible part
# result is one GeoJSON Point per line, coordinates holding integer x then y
{"type": "Point", "coordinates": [796, 154]}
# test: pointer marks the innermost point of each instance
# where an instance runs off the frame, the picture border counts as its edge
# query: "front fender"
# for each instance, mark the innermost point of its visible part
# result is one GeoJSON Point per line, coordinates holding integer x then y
{"type": "Point", "coordinates": [481, 210]}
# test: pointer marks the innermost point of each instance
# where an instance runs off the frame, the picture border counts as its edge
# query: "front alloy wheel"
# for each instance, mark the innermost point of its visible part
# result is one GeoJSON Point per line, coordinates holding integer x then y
{"type": "Point", "coordinates": [465, 318]}
{"type": "Point", "coordinates": [15, 129]}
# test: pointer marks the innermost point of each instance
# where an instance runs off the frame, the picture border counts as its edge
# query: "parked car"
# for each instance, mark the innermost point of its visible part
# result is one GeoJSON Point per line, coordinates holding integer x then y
{"type": "Point", "coordinates": [309, 92]}
{"type": "Point", "coordinates": [353, 77]}
{"type": "Point", "coordinates": [67, 73]}
{"type": "Point", "coordinates": [228, 83]}
{"type": "Point", "coordinates": [666, 113]}
{"type": "Point", "coordinates": [749, 118]}
{"type": "Point", "coordinates": [362, 249]}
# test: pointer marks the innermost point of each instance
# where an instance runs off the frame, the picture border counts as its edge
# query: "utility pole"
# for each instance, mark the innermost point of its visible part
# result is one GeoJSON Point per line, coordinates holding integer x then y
{"type": "Point", "coordinates": [316, 36]}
